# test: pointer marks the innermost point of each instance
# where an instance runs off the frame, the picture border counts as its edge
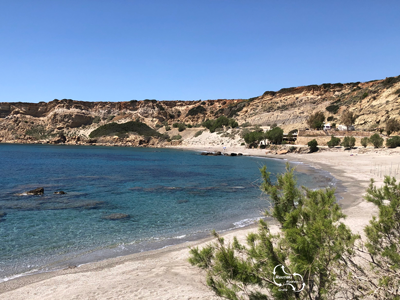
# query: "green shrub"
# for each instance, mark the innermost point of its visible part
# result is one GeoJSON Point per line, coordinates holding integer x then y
{"type": "Point", "coordinates": [212, 125]}
{"type": "Point", "coordinates": [364, 142]}
{"type": "Point", "coordinates": [175, 125]}
{"type": "Point", "coordinates": [275, 135]}
{"type": "Point", "coordinates": [196, 110]}
{"type": "Point", "coordinates": [167, 128]}
{"type": "Point", "coordinates": [181, 127]}
{"type": "Point", "coordinates": [110, 118]}
{"type": "Point", "coordinates": [333, 142]}
{"type": "Point", "coordinates": [118, 129]}
{"type": "Point", "coordinates": [392, 125]}
{"type": "Point", "coordinates": [198, 133]}
{"type": "Point", "coordinates": [376, 140]}
{"type": "Point", "coordinates": [253, 138]}
{"type": "Point", "coordinates": [313, 145]}
{"type": "Point", "coordinates": [176, 137]}
{"type": "Point", "coordinates": [96, 120]}
{"type": "Point", "coordinates": [349, 142]}
{"type": "Point", "coordinates": [333, 108]}
{"type": "Point", "coordinates": [38, 132]}
{"type": "Point", "coordinates": [365, 95]}
{"type": "Point", "coordinates": [393, 142]}
{"type": "Point", "coordinates": [316, 121]}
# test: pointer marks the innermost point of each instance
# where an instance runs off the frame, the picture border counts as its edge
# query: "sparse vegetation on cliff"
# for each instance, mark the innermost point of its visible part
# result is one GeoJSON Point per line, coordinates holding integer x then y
{"type": "Point", "coordinates": [212, 125]}
{"type": "Point", "coordinates": [316, 120]}
{"type": "Point", "coordinates": [196, 110]}
{"type": "Point", "coordinates": [124, 128]}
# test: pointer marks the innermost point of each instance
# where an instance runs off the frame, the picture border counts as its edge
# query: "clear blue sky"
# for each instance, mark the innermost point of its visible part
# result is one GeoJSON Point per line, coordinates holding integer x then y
{"type": "Point", "coordinates": [190, 49]}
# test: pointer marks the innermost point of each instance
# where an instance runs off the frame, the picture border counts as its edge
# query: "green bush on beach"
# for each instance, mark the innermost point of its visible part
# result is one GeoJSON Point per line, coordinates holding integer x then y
{"type": "Point", "coordinates": [313, 145]}
{"type": "Point", "coordinates": [364, 142]}
{"type": "Point", "coordinates": [349, 142]}
{"type": "Point", "coordinates": [376, 140]}
{"type": "Point", "coordinates": [333, 142]}
{"type": "Point", "coordinates": [393, 142]}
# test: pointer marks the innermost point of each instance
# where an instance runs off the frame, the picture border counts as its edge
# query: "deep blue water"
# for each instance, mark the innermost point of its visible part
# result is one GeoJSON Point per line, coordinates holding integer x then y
{"type": "Point", "coordinates": [171, 196]}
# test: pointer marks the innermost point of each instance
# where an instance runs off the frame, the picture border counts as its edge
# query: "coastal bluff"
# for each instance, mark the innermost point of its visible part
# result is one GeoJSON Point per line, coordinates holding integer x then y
{"type": "Point", "coordinates": [71, 122]}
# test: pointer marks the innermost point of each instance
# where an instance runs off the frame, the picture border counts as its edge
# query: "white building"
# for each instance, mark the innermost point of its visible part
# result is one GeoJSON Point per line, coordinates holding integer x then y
{"type": "Point", "coordinates": [344, 127]}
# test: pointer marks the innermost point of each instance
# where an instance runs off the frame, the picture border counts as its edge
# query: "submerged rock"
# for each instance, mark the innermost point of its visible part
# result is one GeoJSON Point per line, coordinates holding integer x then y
{"type": "Point", "coordinates": [2, 214]}
{"type": "Point", "coordinates": [182, 201]}
{"type": "Point", "coordinates": [38, 191]}
{"type": "Point", "coordinates": [117, 216]}
{"type": "Point", "coordinates": [51, 204]}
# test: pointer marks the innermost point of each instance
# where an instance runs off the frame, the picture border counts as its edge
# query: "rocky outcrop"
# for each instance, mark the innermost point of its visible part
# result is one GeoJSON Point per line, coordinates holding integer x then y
{"type": "Point", "coordinates": [37, 191]}
{"type": "Point", "coordinates": [60, 193]}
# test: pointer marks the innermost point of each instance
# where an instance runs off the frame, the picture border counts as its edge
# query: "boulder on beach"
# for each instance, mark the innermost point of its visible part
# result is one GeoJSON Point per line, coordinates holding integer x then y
{"type": "Point", "coordinates": [38, 191]}
{"type": "Point", "coordinates": [117, 216]}
{"type": "Point", "coordinates": [60, 193]}
{"type": "Point", "coordinates": [282, 152]}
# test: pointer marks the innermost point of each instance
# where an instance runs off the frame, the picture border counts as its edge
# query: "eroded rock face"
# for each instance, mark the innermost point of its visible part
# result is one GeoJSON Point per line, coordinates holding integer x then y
{"type": "Point", "coordinates": [37, 191]}
{"type": "Point", "coordinates": [117, 216]}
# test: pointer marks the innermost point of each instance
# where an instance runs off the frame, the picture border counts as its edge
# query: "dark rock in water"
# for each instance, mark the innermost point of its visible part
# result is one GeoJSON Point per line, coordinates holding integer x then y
{"type": "Point", "coordinates": [211, 153]}
{"type": "Point", "coordinates": [233, 154]}
{"type": "Point", "coordinates": [118, 216]}
{"type": "Point", "coordinates": [38, 191]}
{"type": "Point", "coordinates": [240, 154]}
{"type": "Point", "coordinates": [182, 201]}
{"type": "Point", "coordinates": [2, 214]}
{"type": "Point", "coordinates": [60, 193]}
{"type": "Point", "coordinates": [215, 153]}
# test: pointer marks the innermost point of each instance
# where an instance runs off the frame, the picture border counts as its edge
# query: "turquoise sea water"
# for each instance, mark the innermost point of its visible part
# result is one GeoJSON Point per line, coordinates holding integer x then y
{"type": "Point", "coordinates": [171, 196]}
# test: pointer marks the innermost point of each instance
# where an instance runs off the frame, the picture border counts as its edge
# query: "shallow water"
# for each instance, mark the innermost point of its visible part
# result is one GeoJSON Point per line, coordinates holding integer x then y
{"type": "Point", "coordinates": [170, 195]}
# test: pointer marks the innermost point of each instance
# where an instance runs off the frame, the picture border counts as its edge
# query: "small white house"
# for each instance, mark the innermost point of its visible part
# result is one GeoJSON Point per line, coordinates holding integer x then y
{"type": "Point", "coordinates": [327, 126]}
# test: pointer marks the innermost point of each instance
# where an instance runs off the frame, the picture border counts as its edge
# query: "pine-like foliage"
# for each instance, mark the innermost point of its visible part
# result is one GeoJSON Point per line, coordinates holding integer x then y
{"type": "Point", "coordinates": [311, 242]}
{"type": "Point", "coordinates": [375, 271]}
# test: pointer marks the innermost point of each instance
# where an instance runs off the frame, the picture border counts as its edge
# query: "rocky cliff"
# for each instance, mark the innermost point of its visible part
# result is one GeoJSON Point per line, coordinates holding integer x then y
{"type": "Point", "coordinates": [373, 102]}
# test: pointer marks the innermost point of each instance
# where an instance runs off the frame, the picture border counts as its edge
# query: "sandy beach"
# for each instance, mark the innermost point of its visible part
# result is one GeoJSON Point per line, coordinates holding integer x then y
{"type": "Point", "coordinates": [166, 273]}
